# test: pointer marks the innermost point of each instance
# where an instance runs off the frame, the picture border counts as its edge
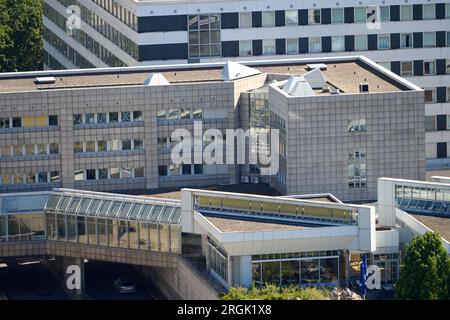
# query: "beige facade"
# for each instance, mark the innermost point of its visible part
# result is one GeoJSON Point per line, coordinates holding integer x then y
{"type": "Point", "coordinates": [105, 130]}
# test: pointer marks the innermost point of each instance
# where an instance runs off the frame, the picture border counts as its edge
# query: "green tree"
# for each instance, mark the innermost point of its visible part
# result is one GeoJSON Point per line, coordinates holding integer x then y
{"type": "Point", "coordinates": [21, 44]}
{"type": "Point", "coordinates": [425, 269]}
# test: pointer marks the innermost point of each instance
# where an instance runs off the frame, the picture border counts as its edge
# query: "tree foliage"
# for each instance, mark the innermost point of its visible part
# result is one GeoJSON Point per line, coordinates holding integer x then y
{"type": "Point", "coordinates": [21, 44]}
{"type": "Point", "coordinates": [272, 292]}
{"type": "Point", "coordinates": [425, 271]}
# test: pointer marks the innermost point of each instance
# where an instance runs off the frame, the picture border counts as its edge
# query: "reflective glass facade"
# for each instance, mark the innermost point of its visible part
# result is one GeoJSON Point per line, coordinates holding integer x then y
{"type": "Point", "coordinates": [217, 262]}
{"type": "Point", "coordinates": [114, 222]}
{"type": "Point", "coordinates": [22, 227]}
{"type": "Point", "coordinates": [297, 269]}
{"type": "Point", "coordinates": [290, 210]}
{"type": "Point", "coordinates": [432, 200]}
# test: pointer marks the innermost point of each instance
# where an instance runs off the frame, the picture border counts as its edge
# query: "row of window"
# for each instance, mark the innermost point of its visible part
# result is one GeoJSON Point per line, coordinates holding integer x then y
{"type": "Point", "coordinates": [204, 35]}
{"type": "Point", "coordinates": [120, 12]}
{"type": "Point", "coordinates": [338, 43]}
{"type": "Point", "coordinates": [104, 28]}
{"type": "Point", "coordinates": [107, 117]}
{"type": "Point", "coordinates": [39, 121]}
{"type": "Point", "coordinates": [182, 114]}
{"type": "Point", "coordinates": [19, 150]}
{"type": "Point", "coordinates": [431, 95]}
{"type": "Point", "coordinates": [109, 232]}
{"type": "Point", "coordinates": [357, 173]}
{"type": "Point", "coordinates": [359, 14]}
{"type": "Point", "coordinates": [278, 121]}
{"type": "Point", "coordinates": [52, 63]}
{"type": "Point", "coordinates": [29, 178]}
{"type": "Point", "coordinates": [107, 145]}
{"type": "Point", "coordinates": [108, 173]}
{"type": "Point", "coordinates": [67, 51]}
{"type": "Point", "coordinates": [180, 170]}
{"type": "Point", "coordinates": [437, 150]}
{"type": "Point", "coordinates": [81, 37]}
{"type": "Point", "coordinates": [429, 67]}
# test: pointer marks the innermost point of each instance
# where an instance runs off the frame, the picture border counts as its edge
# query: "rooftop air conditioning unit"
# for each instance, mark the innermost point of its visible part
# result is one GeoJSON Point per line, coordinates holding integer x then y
{"type": "Point", "coordinates": [44, 80]}
{"type": "Point", "coordinates": [363, 87]}
{"type": "Point", "coordinates": [335, 91]}
{"type": "Point", "coordinates": [325, 88]}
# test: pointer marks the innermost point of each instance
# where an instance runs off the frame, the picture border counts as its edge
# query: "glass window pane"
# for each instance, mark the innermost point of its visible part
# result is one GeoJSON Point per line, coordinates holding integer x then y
{"type": "Point", "coordinates": [271, 273]}
{"type": "Point", "coordinates": [361, 42]}
{"type": "Point", "coordinates": [268, 18]}
{"type": "Point", "coordinates": [290, 273]}
{"type": "Point", "coordinates": [101, 117]}
{"type": "Point", "coordinates": [123, 234]}
{"type": "Point", "coordinates": [360, 14]}
{"type": "Point", "coordinates": [245, 20]}
{"type": "Point", "coordinates": [309, 271]}
{"type": "Point", "coordinates": [337, 15]}
{"type": "Point", "coordinates": [291, 17]}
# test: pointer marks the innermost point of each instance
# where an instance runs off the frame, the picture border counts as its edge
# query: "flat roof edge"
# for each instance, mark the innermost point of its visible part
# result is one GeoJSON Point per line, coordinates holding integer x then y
{"type": "Point", "coordinates": [193, 66]}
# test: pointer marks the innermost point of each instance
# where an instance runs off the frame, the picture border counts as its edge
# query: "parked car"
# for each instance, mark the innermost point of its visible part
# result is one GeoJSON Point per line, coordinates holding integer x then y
{"type": "Point", "coordinates": [125, 285]}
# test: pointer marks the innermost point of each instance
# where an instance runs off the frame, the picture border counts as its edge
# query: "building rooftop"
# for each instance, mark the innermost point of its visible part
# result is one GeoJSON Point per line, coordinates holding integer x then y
{"type": "Point", "coordinates": [440, 225]}
{"type": "Point", "coordinates": [344, 73]}
{"type": "Point", "coordinates": [232, 224]}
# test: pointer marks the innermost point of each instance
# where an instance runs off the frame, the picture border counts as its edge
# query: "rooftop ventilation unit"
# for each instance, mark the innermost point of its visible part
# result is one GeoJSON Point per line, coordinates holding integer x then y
{"type": "Point", "coordinates": [45, 80]}
{"type": "Point", "coordinates": [156, 79]}
{"type": "Point", "coordinates": [320, 66]}
{"type": "Point", "coordinates": [363, 87]}
{"type": "Point", "coordinates": [326, 88]}
{"type": "Point", "coordinates": [315, 78]}
{"type": "Point", "coordinates": [297, 86]}
{"type": "Point", "coordinates": [232, 71]}
{"type": "Point", "coordinates": [335, 91]}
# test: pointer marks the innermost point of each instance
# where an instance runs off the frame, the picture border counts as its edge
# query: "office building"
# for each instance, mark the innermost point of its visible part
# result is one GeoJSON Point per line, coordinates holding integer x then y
{"type": "Point", "coordinates": [412, 39]}
{"type": "Point", "coordinates": [342, 123]}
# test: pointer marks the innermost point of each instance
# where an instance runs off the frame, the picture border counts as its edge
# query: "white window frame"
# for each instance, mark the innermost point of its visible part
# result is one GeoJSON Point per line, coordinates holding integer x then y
{"type": "Point", "coordinates": [410, 41]}
{"type": "Point", "coordinates": [388, 13]}
{"type": "Point", "coordinates": [434, 40]}
{"type": "Point", "coordinates": [241, 50]}
{"type": "Point", "coordinates": [389, 41]}
{"type": "Point", "coordinates": [433, 91]}
{"type": "Point", "coordinates": [265, 15]}
{"type": "Point", "coordinates": [356, 9]}
{"type": "Point", "coordinates": [361, 36]}
{"type": "Point", "coordinates": [265, 45]}
{"type": "Point", "coordinates": [429, 61]}
{"type": "Point", "coordinates": [333, 20]}
{"type": "Point", "coordinates": [433, 8]}
{"type": "Point", "coordinates": [335, 38]}
{"type": "Point", "coordinates": [240, 19]}
{"type": "Point", "coordinates": [320, 44]}
{"type": "Point", "coordinates": [286, 18]}
{"type": "Point", "coordinates": [312, 15]}
{"type": "Point", "coordinates": [294, 40]}
{"type": "Point", "coordinates": [401, 69]}
{"type": "Point", "coordinates": [402, 10]}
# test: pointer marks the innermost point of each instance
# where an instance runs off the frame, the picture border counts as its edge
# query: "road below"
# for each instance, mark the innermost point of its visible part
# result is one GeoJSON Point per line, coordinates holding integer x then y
{"type": "Point", "coordinates": [30, 282]}
{"type": "Point", "coordinates": [101, 276]}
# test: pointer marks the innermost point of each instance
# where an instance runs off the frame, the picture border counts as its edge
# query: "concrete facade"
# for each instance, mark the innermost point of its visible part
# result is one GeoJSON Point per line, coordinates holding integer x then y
{"type": "Point", "coordinates": [172, 270]}
{"type": "Point", "coordinates": [103, 130]}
